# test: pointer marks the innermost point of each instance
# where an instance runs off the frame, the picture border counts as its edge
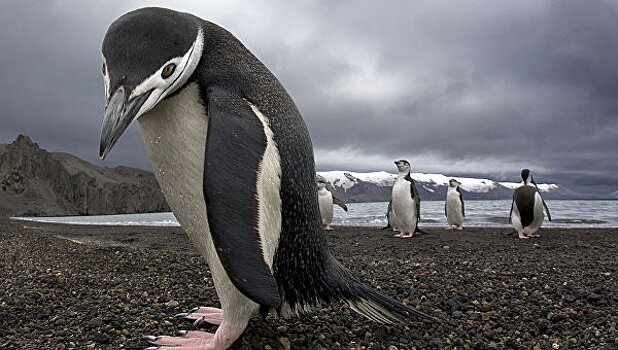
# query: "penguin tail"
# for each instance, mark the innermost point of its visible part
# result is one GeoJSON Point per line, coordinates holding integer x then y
{"type": "Point", "coordinates": [369, 302]}
{"type": "Point", "coordinates": [386, 227]}
{"type": "Point", "coordinates": [419, 231]}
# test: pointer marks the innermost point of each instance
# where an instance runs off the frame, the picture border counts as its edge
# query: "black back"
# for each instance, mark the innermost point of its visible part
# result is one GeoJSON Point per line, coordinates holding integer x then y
{"type": "Point", "coordinates": [524, 200]}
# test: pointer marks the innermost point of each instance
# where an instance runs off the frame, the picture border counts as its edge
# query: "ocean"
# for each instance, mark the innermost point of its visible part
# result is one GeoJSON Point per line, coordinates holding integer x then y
{"type": "Point", "coordinates": [479, 213]}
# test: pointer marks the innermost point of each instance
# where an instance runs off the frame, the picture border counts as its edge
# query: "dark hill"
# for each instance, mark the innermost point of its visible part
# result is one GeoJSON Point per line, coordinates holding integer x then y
{"type": "Point", "coordinates": [36, 182]}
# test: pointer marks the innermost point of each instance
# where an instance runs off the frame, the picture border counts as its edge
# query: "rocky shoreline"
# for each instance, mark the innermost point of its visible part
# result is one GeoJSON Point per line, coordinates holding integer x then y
{"type": "Point", "coordinates": [98, 287]}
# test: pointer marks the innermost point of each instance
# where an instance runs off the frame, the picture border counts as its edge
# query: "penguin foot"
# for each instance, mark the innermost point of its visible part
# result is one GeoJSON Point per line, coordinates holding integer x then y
{"type": "Point", "coordinates": [459, 228]}
{"type": "Point", "coordinates": [222, 339]}
{"type": "Point", "coordinates": [408, 235]}
{"type": "Point", "coordinates": [523, 237]}
{"type": "Point", "coordinates": [449, 228]}
{"type": "Point", "coordinates": [201, 315]}
{"type": "Point", "coordinates": [534, 235]}
{"type": "Point", "coordinates": [398, 235]}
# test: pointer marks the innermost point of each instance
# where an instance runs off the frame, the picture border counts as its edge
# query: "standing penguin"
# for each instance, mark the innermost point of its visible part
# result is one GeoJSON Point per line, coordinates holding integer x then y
{"type": "Point", "coordinates": [234, 160]}
{"type": "Point", "coordinates": [454, 206]}
{"type": "Point", "coordinates": [527, 207]}
{"type": "Point", "coordinates": [405, 201]}
{"type": "Point", "coordinates": [326, 200]}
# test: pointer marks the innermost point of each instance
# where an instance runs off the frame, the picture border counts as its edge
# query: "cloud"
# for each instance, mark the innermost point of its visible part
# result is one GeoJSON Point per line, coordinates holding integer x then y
{"type": "Point", "coordinates": [473, 87]}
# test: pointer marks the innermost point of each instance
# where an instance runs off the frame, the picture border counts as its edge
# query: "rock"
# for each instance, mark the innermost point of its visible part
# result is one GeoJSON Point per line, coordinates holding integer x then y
{"type": "Point", "coordinates": [285, 342]}
{"type": "Point", "coordinates": [171, 303]}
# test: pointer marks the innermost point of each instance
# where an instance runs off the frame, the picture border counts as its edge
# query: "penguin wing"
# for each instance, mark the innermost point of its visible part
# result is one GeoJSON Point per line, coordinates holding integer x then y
{"type": "Point", "coordinates": [546, 209]}
{"type": "Point", "coordinates": [463, 210]}
{"type": "Point", "coordinates": [340, 203]}
{"type": "Point", "coordinates": [415, 198]}
{"type": "Point", "coordinates": [544, 204]}
{"type": "Point", "coordinates": [236, 139]}
{"type": "Point", "coordinates": [511, 212]}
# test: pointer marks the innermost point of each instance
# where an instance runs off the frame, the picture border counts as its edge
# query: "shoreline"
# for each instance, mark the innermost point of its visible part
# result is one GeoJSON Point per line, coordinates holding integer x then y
{"type": "Point", "coordinates": [491, 291]}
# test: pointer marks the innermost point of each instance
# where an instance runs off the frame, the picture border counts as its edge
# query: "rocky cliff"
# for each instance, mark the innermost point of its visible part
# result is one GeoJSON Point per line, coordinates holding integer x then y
{"type": "Point", "coordinates": [34, 181]}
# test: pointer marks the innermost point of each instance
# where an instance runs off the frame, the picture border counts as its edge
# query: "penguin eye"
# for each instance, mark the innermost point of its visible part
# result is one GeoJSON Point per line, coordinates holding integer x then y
{"type": "Point", "coordinates": [168, 71]}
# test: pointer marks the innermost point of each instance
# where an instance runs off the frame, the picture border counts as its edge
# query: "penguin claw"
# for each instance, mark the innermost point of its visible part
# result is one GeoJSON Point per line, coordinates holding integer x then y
{"type": "Point", "coordinates": [149, 338]}
{"type": "Point", "coordinates": [181, 332]}
{"type": "Point", "coordinates": [153, 348]}
{"type": "Point", "coordinates": [182, 314]}
{"type": "Point", "coordinates": [197, 322]}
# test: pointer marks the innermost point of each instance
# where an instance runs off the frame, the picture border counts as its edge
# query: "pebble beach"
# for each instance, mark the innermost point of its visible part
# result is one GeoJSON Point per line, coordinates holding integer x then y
{"type": "Point", "coordinates": [102, 287]}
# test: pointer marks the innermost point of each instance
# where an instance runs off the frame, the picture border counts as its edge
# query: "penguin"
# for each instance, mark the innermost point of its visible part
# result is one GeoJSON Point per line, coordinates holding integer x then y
{"type": "Point", "coordinates": [454, 206]}
{"type": "Point", "coordinates": [326, 201]}
{"type": "Point", "coordinates": [527, 207]}
{"type": "Point", "coordinates": [234, 159]}
{"type": "Point", "coordinates": [391, 219]}
{"type": "Point", "coordinates": [406, 203]}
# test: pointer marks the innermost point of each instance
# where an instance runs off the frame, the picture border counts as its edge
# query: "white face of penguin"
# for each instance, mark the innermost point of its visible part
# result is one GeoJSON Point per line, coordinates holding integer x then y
{"type": "Point", "coordinates": [126, 104]}
{"type": "Point", "coordinates": [403, 166]}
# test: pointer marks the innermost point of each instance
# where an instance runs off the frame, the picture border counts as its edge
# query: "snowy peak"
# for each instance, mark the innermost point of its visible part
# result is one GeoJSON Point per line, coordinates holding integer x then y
{"type": "Point", "coordinates": [347, 179]}
{"type": "Point", "coordinates": [376, 186]}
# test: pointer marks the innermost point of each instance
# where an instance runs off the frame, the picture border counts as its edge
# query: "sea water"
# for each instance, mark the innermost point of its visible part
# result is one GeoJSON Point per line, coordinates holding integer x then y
{"type": "Point", "coordinates": [479, 213]}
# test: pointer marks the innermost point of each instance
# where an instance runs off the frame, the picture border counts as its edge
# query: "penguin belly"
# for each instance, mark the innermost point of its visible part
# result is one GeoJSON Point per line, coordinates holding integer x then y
{"type": "Point", "coordinates": [403, 206]}
{"type": "Point", "coordinates": [325, 199]}
{"type": "Point", "coordinates": [393, 221]}
{"type": "Point", "coordinates": [175, 143]}
{"type": "Point", "coordinates": [454, 214]}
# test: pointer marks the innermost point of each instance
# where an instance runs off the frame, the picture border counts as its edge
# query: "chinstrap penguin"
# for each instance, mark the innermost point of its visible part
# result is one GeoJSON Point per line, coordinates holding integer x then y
{"type": "Point", "coordinates": [406, 203]}
{"type": "Point", "coordinates": [234, 160]}
{"type": "Point", "coordinates": [454, 206]}
{"type": "Point", "coordinates": [527, 207]}
{"type": "Point", "coordinates": [326, 201]}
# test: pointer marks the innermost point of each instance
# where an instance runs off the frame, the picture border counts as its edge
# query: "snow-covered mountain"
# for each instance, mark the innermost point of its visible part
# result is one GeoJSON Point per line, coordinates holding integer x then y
{"type": "Point", "coordinates": [376, 186]}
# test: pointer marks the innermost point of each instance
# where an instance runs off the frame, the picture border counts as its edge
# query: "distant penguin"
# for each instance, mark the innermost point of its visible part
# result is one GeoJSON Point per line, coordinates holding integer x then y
{"type": "Point", "coordinates": [326, 201]}
{"type": "Point", "coordinates": [405, 201]}
{"type": "Point", "coordinates": [454, 206]}
{"type": "Point", "coordinates": [527, 207]}
{"type": "Point", "coordinates": [234, 160]}
{"type": "Point", "coordinates": [391, 218]}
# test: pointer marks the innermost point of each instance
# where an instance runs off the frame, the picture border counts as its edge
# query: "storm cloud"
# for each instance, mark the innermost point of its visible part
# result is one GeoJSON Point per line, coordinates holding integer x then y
{"type": "Point", "coordinates": [457, 87]}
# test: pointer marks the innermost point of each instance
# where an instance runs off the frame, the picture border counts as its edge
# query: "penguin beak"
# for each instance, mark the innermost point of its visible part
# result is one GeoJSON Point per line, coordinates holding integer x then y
{"type": "Point", "coordinates": [120, 112]}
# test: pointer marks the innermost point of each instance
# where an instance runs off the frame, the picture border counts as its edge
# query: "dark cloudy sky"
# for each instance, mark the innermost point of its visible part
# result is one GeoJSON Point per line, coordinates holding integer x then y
{"type": "Point", "coordinates": [457, 87]}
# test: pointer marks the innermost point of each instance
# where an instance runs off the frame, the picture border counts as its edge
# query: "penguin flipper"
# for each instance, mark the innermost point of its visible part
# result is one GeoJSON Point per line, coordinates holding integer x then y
{"type": "Point", "coordinates": [543, 200]}
{"type": "Point", "coordinates": [236, 138]}
{"type": "Point", "coordinates": [547, 210]}
{"type": "Point", "coordinates": [463, 209]}
{"type": "Point", "coordinates": [340, 203]}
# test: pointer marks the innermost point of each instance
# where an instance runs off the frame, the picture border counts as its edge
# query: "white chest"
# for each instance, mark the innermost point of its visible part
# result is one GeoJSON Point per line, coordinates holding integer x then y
{"type": "Point", "coordinates": [403, 205]}
{"type": "Point", "coordinates": [174, 134]}
{"type": "Point", "coordinates": [325, 200]}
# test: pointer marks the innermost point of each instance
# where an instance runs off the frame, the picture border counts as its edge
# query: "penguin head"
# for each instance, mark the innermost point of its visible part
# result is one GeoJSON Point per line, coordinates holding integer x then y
{"type": "Point", "coordinates": [148, 55]}
{"type": "Point", "coordinates": [526, 175]}
{"type": "Point", "coordinates": [454, 183]}
{"type": "Point", "coordinates": [321, 182]}
{"type": "Point", "coordinates": [403, 166]}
